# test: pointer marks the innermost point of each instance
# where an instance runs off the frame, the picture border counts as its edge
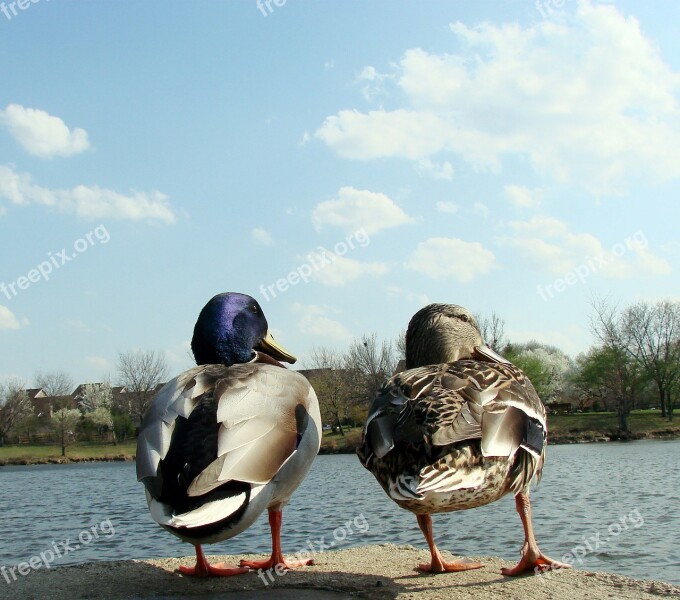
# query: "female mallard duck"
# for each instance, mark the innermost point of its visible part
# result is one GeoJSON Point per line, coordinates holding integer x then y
{"type": "Point", "coordinates": [227, 439]}
{"type": "Point", "coordinates": [460, 428]}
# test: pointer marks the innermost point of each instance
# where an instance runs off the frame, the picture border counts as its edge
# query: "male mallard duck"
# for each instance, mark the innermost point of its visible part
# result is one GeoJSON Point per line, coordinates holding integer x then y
{"type": "Point", "coordinates": [460, 428]}
{"type": "Point", "coordinates": [227, 439]}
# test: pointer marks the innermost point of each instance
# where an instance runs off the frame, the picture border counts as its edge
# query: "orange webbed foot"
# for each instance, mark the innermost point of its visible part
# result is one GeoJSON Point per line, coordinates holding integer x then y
{"type": "Point", "coordinates": [449, 567]}
{"type": "Point", "coordinates": [533, 561]}
{"type": "Point", "coordinates": [272, 563]}
{"type": "Point", "coordinates": [204, 569]}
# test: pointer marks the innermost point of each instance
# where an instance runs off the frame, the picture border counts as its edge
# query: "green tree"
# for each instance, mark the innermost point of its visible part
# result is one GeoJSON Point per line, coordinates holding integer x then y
{"type": "Point", "coordinates": [546, 366]}
{"type": "Point", "coordinates": [610, 375]}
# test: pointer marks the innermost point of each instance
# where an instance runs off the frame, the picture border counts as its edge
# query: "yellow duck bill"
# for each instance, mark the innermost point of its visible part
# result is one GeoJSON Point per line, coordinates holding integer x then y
{"type": "Point", "coordinates": [269, 346]}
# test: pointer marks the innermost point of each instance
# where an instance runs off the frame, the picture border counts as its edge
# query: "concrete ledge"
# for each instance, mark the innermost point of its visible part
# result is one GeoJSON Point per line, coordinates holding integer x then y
{"type": "Point", "coordinates": [373, 572]}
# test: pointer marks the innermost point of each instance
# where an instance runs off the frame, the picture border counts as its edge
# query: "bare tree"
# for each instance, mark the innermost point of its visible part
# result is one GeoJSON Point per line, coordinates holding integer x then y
{"type": "Point", "coordinates": [55, 383]}
{"type": "Point", "coordinates": [331, 381]}
{"type": "Point", "coordinates": [372, 362]}
{"type": "Point", "coordinates": [400, 352]}
{"type": "Point", "coordinates": [622, 369]}
{"type": "Point", "coordinates": [653, 333]}
{"type": "Point", "coordinates": [14, 406]}
{"type": "Point", "coordinates": [141, 372]}
{"type": "Point", "coordinates": [493, 331]}
{"type": "Point", "coordinates": [400, 345]}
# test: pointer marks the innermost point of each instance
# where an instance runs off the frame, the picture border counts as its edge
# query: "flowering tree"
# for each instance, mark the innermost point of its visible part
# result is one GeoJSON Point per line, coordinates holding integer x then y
{"type": "Point", "coordinates": [64, 421]}
{"type": "Point", "coordinates": [96, 402]}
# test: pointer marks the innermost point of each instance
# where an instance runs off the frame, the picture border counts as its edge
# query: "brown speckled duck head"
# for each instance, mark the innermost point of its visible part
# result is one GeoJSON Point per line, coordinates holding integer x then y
{"type": "Point", "coordinates": [440, 333]}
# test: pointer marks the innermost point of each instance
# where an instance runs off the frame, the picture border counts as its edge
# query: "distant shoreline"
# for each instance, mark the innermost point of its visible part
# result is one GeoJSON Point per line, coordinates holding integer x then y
{"type": "Point", "coordinates": [586, 437]}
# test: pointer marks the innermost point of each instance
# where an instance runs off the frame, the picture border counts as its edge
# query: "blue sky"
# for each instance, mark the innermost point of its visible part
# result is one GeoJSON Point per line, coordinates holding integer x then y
{"type": "Point", "coordinates": [515, 157]}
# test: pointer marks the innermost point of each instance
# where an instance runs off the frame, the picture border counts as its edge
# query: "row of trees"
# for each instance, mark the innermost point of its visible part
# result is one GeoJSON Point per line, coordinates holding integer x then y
{"type": "Point", "coordinates": [638, 349]}
{"type": "Point", "coordinates": [96, 407]}
{"type": "Point", "coordinates": [346, 382]}
{"type": "Point", "coordinates": [634, 363]}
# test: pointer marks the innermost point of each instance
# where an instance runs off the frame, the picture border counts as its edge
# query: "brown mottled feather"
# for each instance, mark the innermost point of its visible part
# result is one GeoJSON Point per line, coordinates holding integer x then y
{"type": "Point", "coordinates": [457, 432]}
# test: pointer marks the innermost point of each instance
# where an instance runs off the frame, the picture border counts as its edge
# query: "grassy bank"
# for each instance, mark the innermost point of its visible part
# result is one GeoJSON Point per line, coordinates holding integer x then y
{"type": "Point", "coordinates": [81, 452]}
{"type": "Point", "coordinates": [594, 426]}
{"type": "Point", "coordinates": [564, 429]}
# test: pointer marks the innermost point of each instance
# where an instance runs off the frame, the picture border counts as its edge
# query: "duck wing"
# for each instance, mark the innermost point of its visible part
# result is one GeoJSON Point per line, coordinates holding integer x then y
{"type": "Point", "coordinates": [215, 435]}
{"type": "Point", "coordinates": [441, 405]}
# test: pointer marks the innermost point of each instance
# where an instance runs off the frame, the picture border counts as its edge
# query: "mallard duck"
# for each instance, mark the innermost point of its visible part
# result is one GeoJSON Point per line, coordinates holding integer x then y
{"type": "Point", "coordinates": [460, 428]}
{"type": "Point", "coordinates": [229, 438]}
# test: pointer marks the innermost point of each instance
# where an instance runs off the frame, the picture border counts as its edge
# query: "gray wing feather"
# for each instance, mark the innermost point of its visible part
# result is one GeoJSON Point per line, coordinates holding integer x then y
{"type": "Point", "coordinates": [176, 398]}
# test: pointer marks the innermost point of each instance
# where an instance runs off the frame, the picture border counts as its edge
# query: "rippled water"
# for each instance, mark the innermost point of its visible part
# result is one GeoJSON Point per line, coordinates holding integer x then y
{"type": "Point", "coordinates": [614, 506]}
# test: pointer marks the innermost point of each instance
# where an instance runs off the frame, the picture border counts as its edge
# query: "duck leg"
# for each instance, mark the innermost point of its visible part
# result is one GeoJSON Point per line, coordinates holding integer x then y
{"type": "Point", "coordinates": [276, 559]}
{"type": "Point", "coordinates": [204, 569]}
{"type": "Point", "coordinates": [532, 558]}
{"type": "Point", "coordinates": [438, 565]}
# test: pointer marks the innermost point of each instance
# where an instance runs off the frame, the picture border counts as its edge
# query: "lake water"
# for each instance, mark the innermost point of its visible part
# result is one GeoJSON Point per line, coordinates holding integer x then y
{"type": "Point", "coordinates": [615, 507]}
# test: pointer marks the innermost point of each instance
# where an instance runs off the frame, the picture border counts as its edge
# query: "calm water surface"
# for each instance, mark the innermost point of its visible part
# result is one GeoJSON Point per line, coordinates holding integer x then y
{"type": "Point", "coordinates": [615, 506]}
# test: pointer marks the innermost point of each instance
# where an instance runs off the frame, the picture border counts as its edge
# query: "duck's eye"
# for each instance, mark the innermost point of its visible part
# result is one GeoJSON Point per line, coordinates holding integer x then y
{"type": "Point", "coordinates": [253, 308]}
{"type": "Point", "coordinates": [464, 318]}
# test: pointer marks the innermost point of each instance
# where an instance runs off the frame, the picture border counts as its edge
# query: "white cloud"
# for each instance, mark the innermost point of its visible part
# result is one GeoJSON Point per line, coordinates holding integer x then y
{"type": "Point", "coordinates": [343, 270]}
{"type": "Point", "coordinates": [552, 247]}
{"type": "Point", "coordinates": [98, 362]}
{"type": "Point", "coordinates": [447, 207]}
{"type": "Point", "coordinates": [400, 133]}
{"type": "Point", "coordinates": [42, 134]}
{"type": "Point", "coordinates": [9, 321]}
{"type": "Point", "coordinates": [79, 325]}
{"type": "Point", "coordinates": [262, 236]}
{"type": "Point", "coordinates": [588, 100]}
{"type": "Point", "coordinates": [373, 82]}
{"type": "Point", "coordinates": [316, 322]}
{"type": "Point", "coordinates": [394, 291]}
{"type": "Point", "coordinates": [445, 258]}
{"type": "Point", "coordinates": [523, 197]}
{"type": "Point", "coordinates": [356, 209]}
{"type": "Point", "coordinates": [90, 202]}
{"type": "Point", "coordinates": [442, 170]}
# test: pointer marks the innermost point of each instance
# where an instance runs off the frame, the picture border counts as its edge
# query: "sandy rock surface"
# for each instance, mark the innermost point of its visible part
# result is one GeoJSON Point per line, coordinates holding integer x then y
{"type": "Point", "coordinates": [373, 572]}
